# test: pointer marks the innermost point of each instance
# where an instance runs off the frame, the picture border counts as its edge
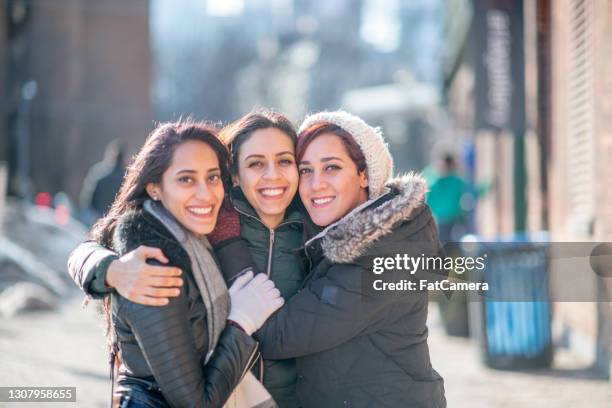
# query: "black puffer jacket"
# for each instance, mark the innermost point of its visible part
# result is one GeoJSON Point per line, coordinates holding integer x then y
{"type": "Point", "coordinates": [273, 253]}
{"type": "Point", "coordinates": [166, 345]}
{"type": "Point", "coordinates": [357, 347]}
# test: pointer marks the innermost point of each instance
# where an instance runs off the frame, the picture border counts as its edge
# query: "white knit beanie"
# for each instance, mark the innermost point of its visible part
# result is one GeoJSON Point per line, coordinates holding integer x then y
{"type": "Point", "coordinates": [378, 159]}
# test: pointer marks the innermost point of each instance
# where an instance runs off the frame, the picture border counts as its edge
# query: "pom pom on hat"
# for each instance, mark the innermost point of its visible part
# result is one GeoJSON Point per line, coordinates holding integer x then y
{"type": "Point", "coordinates": [379, 162]}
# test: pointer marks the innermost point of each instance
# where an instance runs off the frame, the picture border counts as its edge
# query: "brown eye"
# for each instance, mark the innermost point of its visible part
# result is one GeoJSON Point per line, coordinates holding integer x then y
{"type": "Point", "coordinates": [305, 170]}
{"type": "Point", "coordinates": [255, 165]}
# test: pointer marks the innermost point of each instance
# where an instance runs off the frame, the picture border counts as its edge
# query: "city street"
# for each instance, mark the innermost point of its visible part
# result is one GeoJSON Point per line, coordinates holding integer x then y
{"type": "Point", "coordinates": [489, 121]}
{"type": "Point", "coordinates": [64, 349]}
{"type": "Point", "coordinates": [470, 384]}
{"type": "Point", "coordinates": [67, 349]}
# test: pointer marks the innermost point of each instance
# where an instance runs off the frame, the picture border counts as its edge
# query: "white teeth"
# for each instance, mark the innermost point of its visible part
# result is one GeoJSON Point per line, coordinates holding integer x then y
{"type": "Point", "coordinates": [321, 201]}
{"type": "Point", "coordinates": [272, 192]}
{"type": "Point", "coordinates": [200, 210]}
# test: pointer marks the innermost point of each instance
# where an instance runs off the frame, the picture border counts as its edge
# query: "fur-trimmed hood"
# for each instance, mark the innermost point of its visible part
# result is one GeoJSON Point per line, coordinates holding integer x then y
{"type": "Point", "coordinates": [354, 234]}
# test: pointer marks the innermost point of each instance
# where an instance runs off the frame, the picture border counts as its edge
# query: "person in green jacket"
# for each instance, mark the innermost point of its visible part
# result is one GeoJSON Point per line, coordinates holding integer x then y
{"type": "Point", "coordinates": [262, 145]}
{"type": "Point", "coordinates": [447, 190]}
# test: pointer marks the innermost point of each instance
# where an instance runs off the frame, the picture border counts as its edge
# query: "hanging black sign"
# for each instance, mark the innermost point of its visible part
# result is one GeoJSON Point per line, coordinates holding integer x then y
{"type": "Point", "coordinates": [497, 43]}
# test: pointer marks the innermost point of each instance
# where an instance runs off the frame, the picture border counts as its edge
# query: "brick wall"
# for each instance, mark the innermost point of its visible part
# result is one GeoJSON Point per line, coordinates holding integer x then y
{"type": "Point", "coordinates": [91, 61]}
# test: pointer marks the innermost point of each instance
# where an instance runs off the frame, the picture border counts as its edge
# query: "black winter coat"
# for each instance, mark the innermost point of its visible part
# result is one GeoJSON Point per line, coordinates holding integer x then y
{"type": "Point", "coordinates": [167, 345]}
{"type": "Point", "coordinates": [273, 251]}
{"type": "Point", "coordinates": [357, 347]}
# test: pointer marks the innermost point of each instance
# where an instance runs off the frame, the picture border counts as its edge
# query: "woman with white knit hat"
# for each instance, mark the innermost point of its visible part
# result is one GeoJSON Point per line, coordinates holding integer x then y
{"type": "Point", "coordinates": [355, 344]}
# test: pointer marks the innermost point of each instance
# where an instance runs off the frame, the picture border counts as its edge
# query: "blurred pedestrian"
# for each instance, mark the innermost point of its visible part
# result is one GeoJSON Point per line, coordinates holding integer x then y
{"type": "Point", "coordinates": [447, 189]}
{"type": "Point", "coordinates": [102, 183]}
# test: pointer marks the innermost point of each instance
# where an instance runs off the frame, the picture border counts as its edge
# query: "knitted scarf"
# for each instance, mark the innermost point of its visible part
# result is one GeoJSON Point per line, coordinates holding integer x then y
{"type": "Point", "coordinates": [205, 272]}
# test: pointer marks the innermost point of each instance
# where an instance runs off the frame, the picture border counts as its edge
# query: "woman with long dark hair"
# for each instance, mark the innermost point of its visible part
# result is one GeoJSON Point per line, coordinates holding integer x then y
{"type": "Point", "coordinates": [194, 350]}
{"type": "Point", "coordinates": [263, 213]}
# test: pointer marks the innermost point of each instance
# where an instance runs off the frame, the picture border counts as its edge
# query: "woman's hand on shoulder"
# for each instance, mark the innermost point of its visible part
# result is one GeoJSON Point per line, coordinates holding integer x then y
{"type": "Point", "coordinates": [140, 282]}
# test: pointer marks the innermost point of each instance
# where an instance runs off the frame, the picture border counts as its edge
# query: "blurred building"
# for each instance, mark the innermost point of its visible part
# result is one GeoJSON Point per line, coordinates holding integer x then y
{"type": "Point", "coordinates": [407, 111]}
{"type": "Point", "coordinates": [75, 75]}
{"type": "Point", "coordinates": [542, 130]}
{"type": "Point", "coordinates": [579, 170]}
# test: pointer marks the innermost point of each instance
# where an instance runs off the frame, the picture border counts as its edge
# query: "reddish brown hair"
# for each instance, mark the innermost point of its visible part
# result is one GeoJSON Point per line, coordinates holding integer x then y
{"type": "Point", "coordinates": [352, 148]}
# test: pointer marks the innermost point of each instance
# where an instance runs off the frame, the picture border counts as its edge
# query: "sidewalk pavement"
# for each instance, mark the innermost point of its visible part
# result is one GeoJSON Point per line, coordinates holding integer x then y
{"type": "Point", "coordinates": [469, 384]}
{"type": "Point", "coordinates": [66, 348]}
{"type": "Point", "coordinates": [63, 348]}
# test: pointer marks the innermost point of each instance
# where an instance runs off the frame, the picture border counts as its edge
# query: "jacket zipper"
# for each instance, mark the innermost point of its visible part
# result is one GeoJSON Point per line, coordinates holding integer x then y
{"type": "Point", "coordinates": [271, 240]}
{"type": "Point", "coordinates": [268, 269]}
{"type": "Point", "coordinates": [259, 221]}
{"type": "Point", "coordinates": [268, 272]}
{"type": "Point", "coordinates": [271, 246]}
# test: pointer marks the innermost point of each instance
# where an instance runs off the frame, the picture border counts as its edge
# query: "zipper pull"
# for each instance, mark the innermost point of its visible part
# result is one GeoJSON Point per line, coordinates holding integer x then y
{"type": "Point", "coordinates": [270, 247]}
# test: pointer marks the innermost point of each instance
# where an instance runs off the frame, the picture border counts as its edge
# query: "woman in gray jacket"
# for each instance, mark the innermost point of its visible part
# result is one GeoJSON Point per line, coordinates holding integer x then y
{"type": "Point", "coordinates": [356, 346]}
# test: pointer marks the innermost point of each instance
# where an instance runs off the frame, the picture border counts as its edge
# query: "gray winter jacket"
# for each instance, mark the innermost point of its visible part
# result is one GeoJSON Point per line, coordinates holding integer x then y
{"type": "Point", "coordinates": [355, 346]}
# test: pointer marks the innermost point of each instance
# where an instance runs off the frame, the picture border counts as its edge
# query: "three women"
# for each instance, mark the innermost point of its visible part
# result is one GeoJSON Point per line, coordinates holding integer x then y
{"type": "Point", "coordinates": [352, 348]}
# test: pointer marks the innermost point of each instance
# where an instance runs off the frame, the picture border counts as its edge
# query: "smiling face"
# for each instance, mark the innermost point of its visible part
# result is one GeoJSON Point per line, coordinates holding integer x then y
{"type": "Point", "coordinates": [191, 189]}
{"type": "Point", "coordinates": [330, 185]}
{"type": "Point", "coordinates": [267, 173]}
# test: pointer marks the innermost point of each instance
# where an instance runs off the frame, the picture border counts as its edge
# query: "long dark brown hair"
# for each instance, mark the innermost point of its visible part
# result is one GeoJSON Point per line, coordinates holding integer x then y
{"type": "Point", "coordinates": [149, 165]}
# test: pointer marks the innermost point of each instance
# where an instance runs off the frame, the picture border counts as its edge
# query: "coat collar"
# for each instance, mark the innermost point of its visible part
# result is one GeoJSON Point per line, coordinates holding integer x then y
{"type": "Point", "coordinates": [242, 205]}
{"type": "Point", "coordinates": [350, 237]}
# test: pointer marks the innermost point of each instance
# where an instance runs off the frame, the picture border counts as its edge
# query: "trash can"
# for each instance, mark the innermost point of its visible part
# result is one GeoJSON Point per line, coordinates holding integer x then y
{"type": "Point", "coordinates": [454, 308]}
{"type": "Point", "coordinates": [512, 322]}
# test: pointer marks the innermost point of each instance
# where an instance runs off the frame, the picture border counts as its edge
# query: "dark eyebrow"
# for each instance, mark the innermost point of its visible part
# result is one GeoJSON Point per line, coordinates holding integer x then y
{"type": "Point", "coordinates": [259, 156]}
{"type": "Point", "coordinates": [326, 159]}
{"type": "Point", "coordinates": [189, 171]}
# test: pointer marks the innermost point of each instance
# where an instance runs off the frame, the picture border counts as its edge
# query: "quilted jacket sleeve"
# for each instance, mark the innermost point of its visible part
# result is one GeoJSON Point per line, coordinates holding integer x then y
{"type": "Point", "coordinates": [88, 264]}
{"type": "Point", "coordinates": [327, 312]}
{"type": "Point", "coordinates": [164, 337]}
